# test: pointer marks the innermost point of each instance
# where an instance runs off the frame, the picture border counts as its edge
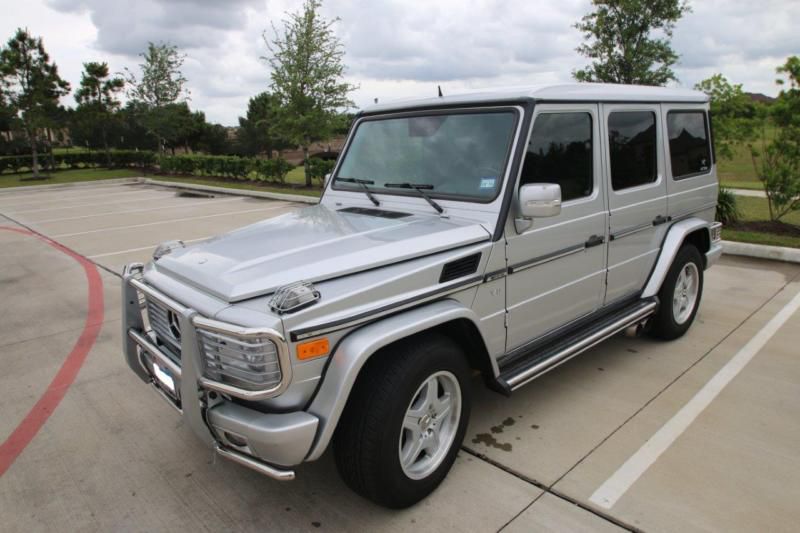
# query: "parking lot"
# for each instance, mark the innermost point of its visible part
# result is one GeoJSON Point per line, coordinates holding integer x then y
{"type": "Point", "coordinates": [699, 434]}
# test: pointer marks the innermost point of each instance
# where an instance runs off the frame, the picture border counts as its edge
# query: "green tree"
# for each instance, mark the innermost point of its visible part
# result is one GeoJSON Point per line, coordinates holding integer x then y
{"type": "Point", "coordinates": [259, 130]}
{"type": "Point", "coordinates": [733, 112]}
{"type": "Point", "coordinates": [160, 90]}
{"type": "Point", "coordinates": [628, 41]}
{"type": "Point", "coordinates": [30, 85]}
{"type": "Point", "coordinates": [776, 160]}
{"type": "Point", "coordinates": [98, 102]}
{"type": "Point", "coordinates": [307, 77]}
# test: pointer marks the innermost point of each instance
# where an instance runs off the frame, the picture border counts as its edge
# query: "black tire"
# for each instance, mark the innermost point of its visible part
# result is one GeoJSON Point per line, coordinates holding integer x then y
{"type": "Point", "coordinates": [366, 443]}
{"type": "Point", "coordinates": [664, 324]}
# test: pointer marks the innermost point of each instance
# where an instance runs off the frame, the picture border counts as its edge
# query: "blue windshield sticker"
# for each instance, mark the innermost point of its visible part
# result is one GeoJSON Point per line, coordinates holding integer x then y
{"type": "Point", "coordinates": [488, 183]}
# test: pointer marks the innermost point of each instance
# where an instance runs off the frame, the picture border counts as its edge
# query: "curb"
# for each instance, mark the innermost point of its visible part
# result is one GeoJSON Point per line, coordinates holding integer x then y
{"type": "Point", "coordinates": [748, 192]}
{"type": "Point", "coordinates": [93, 183]}
{"type": "Point", "coordinates": [237, 192]}
{"type": "Point", "coordinates": [761, 251]}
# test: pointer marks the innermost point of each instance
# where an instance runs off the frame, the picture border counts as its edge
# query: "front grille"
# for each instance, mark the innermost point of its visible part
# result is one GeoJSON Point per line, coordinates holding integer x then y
{"type": "Point", "coordinates": [248, 363]}
{"type": "Point", "coordinates": [159, 317]}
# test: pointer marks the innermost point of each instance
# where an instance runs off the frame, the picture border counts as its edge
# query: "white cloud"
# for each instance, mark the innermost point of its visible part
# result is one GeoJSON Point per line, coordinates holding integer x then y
{"type": "Point", "coordinates": [395, 49]}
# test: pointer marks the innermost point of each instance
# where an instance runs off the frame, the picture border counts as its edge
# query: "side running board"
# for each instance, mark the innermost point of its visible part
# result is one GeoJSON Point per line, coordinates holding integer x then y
{"type": "Point", "coordinates": [527, 367]}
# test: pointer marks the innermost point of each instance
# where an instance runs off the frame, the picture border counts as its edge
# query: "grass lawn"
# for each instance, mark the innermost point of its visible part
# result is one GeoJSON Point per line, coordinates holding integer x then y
{"type": "Point", "coordinates": [738, 172]}
{"type": "Point", "coordinates": [757, 210]}
{"type": "Point", "coordinates": [68, 176]}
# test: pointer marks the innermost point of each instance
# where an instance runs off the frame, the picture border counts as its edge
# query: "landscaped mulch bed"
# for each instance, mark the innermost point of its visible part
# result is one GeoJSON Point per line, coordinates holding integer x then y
{"type": "Point", "coordinates": [765, 226]}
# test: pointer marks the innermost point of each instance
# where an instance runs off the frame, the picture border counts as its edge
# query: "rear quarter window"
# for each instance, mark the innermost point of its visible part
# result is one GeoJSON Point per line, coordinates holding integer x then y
{"type": "Point", "coordinates": [689, 147]}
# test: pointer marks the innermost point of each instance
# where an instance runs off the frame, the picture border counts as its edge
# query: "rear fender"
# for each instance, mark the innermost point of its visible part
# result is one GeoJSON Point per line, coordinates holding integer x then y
{"type": "Point", "coordinates": [675, 238]}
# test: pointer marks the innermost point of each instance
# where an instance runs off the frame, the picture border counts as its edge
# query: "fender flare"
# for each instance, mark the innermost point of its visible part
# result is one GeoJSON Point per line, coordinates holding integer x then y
{"type": "Point", "coordinates": [354, 351]}
{"type": "Point", "coordinates": [669, 249]}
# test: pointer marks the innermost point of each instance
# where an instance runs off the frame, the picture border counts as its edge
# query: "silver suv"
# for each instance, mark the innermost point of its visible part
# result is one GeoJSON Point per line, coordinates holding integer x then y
{"type": "Point", "coordinates": [501, 233]}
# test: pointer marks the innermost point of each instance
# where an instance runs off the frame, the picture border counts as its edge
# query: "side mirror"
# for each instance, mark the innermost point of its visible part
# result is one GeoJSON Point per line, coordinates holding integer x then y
{"type": "Point", "coordinates": [326, 179]}
{"type": "Point", "coordinates": [537, 200]}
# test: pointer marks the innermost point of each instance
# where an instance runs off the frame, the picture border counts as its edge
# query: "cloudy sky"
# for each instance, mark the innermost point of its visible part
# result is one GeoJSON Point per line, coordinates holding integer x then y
{"type": "Point", "coordinates": [394, 49]}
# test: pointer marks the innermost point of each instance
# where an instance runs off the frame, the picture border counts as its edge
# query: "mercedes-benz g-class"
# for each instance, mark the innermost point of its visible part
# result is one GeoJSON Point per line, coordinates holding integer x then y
{"type": "Point", "coordinates": [501, 233]}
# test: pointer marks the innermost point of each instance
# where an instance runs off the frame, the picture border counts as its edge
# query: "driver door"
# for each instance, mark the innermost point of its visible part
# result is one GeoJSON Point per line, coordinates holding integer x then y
{"type": "Point", "coordinates": [557, 266]}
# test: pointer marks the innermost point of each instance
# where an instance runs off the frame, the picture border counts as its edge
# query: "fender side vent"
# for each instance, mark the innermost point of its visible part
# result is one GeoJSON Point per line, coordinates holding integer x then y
{"type": "Point", "coordinates": [460, 268]}
{"type": "Point", "coordinates": [374, 212]}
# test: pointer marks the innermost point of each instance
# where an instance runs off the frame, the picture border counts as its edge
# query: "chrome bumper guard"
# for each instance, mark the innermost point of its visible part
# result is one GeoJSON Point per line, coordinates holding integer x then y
{"type": "Point", "coordinates": [251, 438]}
{"type": "Point", "coordinates": [254, 464]}
{"type": "Point", "coordinates": [235, 331]}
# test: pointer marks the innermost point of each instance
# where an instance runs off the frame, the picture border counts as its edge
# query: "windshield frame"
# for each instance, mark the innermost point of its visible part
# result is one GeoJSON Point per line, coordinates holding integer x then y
{"type": "Point", "coordinates": [460, 110]}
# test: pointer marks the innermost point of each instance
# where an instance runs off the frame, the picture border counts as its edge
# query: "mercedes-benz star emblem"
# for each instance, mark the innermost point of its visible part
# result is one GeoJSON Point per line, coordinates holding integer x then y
{"type": "Point", "coordinates": [174, 325]}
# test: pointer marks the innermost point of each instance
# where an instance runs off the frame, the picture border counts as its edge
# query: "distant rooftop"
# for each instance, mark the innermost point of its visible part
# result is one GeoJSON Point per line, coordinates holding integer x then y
{"type": "Point", "coordinates": [572, 92]}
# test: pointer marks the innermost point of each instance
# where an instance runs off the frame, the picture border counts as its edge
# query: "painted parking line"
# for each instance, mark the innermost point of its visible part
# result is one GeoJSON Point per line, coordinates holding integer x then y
{"type": "Point", "coordinates": [618, 484]}
{"type": "Point", "coordinates": [94, 204]}
{"type": "Point", "coordinates": [141, 248]}
{"type": "Point", "coordinates": [208, 202]}
{"type": "Point", "coordinates": [5, 193]}
{"type": "Point", "coordinates": [184, 219]}
{"type": "Point", "coordinates": [24, 433]}
{"type": "Point", "coordinates": [80, 197]}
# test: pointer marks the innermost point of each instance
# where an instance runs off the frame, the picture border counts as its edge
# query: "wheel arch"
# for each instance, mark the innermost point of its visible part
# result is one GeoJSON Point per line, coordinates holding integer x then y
{"type": "Point", "coordinates": [693, 230]}
{"type": "Point", "coordinates": [446, 316]}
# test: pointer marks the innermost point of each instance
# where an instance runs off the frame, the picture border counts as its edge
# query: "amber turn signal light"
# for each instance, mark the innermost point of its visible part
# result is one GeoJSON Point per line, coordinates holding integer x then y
{"type": "Point", "coordinates": [312, 349]}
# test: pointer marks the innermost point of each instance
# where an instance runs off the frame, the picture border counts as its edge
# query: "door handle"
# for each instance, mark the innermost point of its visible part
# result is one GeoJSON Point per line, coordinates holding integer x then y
{"type": "Point", "coordinates": [594, 240]}
{"type": "Point", "coordinates": [661, 219]}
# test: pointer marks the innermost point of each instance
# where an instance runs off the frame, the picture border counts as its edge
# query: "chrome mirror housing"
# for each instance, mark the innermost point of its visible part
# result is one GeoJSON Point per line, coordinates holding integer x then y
{"type": "Point", "coordinates": [538, 200]}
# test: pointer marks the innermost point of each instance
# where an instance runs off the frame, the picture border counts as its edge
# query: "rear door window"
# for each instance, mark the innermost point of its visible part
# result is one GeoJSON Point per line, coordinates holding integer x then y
{"type": "Point", "coordinates": [632, 147]}
{"type": "Point", "coordinates": [689, 150]}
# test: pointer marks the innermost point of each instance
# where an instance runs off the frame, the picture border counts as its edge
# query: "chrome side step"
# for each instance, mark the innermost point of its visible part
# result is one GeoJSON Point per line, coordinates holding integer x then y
{"type": "Point", "coordinates": [254, 464]}
{"type": "Point", "coordinates": [549, 357]}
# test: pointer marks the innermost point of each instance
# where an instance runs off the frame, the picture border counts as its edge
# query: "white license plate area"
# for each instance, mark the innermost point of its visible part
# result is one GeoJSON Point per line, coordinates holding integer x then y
{"type": "Point", "coordinates": [164, 378]}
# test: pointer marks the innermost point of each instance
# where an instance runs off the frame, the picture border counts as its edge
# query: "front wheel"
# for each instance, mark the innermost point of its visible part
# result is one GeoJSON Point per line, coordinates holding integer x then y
{"type": "Point", "coordinates": [404, 421]}
{"type": "Point", "coordinates": [679, 295]}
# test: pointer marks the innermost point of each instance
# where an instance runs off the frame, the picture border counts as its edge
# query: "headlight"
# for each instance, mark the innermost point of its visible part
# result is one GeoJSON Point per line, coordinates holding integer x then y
{"type": "Point", "coordinates": [166, 248]}
{"type": "Point", "coordinates": [250, 364]}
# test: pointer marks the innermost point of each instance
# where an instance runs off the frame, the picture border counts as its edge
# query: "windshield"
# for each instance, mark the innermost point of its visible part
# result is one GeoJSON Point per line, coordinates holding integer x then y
{"type": "Point", "coordinates": [459, 155]}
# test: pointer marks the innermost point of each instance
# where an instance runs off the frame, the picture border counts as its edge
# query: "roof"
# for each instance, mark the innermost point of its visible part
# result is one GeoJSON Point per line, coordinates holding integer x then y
{"type": "Point", "coordinates": [572, 92]}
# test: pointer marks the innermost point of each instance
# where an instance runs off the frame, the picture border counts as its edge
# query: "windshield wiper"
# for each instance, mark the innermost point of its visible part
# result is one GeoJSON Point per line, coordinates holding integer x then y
{"type": "Point", "coordinates": [420, 188]}
{"type": "Point", "coordinates": [364, 184]}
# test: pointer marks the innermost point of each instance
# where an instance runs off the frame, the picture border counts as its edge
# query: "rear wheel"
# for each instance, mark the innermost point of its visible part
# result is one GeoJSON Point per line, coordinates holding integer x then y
{"type": "Point", "coordinates": [404, 421]}
{"type": "Point", "coordinates": [679, 295]}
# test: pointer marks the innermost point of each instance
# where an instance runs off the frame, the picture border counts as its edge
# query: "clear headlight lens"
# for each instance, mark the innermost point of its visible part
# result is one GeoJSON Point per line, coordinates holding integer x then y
{"type": "Point", "coordinates": [250, 364]}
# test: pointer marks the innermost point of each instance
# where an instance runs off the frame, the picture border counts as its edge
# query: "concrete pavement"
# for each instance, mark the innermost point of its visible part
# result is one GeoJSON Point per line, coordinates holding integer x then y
{"type": "Point", "coordinates": [113, 456]}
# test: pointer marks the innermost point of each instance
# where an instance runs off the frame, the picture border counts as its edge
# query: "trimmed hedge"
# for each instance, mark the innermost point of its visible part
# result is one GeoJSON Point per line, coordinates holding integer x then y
{"type": "Point", "coordinates": [119, 159]}
{"type": "Point", "coordinates": [241, 168]}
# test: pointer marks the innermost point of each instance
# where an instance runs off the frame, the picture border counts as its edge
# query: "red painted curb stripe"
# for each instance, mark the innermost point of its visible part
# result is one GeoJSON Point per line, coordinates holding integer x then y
{"type": "Point", "coordinates": [38, 415]}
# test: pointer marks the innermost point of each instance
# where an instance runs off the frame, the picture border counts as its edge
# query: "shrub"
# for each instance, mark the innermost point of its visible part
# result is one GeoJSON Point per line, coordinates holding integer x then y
{"type": "Point", "coordinates": [727, 210]}
{"type": "Point", "coordinates": [274, 170]}
{"type": "Point", "coordinates": [318, 168]}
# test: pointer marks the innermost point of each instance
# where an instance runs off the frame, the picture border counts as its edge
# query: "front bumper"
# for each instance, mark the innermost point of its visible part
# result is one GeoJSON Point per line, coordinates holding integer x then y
{"type": "Point", "coordinates": [265, 442]}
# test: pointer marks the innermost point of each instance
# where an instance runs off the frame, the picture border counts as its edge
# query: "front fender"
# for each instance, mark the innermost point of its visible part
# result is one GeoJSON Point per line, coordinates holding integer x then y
{"type": "Point", "coordinates": [356, 349]}
{"type": "Point", "coordinates": [672, 243]}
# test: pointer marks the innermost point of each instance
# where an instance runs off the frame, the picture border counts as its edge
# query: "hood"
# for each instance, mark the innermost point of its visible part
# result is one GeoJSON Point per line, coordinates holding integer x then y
{"type": "Point", "coordinates": [312, 244]}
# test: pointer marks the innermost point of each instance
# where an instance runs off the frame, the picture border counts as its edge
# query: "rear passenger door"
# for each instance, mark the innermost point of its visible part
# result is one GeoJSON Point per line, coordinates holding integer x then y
{"type": "Point", "coordinates": [637, 195]}
{"type": "Point", "coordinates": [557, 266]}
